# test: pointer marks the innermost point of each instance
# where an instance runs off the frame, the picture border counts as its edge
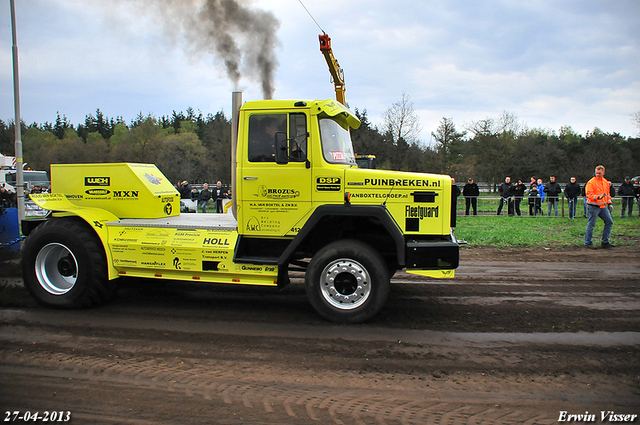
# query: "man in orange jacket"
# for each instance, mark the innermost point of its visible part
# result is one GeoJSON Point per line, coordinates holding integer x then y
{"type": "Point", "coordinates": [598, 203]}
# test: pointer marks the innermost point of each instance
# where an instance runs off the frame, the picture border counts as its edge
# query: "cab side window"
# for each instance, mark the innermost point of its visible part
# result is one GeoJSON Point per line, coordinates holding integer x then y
{"type": "Point", "coordinates": [262, 130]}
{"type": "Point", "coordinates": [297, 137]}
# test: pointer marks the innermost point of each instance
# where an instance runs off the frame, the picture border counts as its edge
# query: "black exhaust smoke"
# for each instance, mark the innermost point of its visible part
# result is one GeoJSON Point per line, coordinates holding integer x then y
{"type": "Point", "coordinates": [242, 38]}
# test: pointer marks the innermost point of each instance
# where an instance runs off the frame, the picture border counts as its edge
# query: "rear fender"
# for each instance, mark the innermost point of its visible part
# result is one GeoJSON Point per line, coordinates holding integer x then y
{"type": "Point", "coordinates": [97, 218]}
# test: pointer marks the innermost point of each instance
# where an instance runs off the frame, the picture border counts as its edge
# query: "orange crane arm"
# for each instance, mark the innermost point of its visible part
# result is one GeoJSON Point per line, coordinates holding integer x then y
{"type": "Point", "coordinates": [334, 67]}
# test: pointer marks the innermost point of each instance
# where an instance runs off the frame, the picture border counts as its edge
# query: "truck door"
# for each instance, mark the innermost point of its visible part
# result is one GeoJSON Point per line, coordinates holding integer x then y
{"type": "Point", "coordinates": [274, 197]}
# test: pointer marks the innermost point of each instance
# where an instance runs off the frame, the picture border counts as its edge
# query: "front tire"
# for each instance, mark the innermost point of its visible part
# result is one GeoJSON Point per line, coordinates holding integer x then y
{"type": "Point", "coordinates": [64, 265]}
{"type": "Point", "coordinates": [347, 282]}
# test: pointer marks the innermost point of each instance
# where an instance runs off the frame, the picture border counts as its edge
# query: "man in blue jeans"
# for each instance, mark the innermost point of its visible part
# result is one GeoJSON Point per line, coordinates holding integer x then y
{"type": "Point", "coordinates": [598, 203]}
{"type": "Point", "coordinates": [572, 191]}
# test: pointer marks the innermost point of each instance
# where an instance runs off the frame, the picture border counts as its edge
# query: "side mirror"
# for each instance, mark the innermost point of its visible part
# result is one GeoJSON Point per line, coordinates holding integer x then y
{"type": "Point", "coordinates": [282, 156]}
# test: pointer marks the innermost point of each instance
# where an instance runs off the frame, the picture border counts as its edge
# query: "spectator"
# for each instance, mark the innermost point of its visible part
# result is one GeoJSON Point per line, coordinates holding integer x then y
{"type": "Point", "coordinates": [571, 191]}
{"type": "Point", "coordinates": [185, 190]}
{"type": "Point", "coordinates": [203, 198]}
{"type": "Point", "coordinates": [636, 190]}
{"type": "Point", "coordinates": [470, 191]}
{"type": "Point", "coordinates": [10, 199]}
{"type": "Point", "coordinates": [627, 193]}
{"type": "Point", "coordinates": [553, 191]}
{"type": "Point", "coordinates": [518, 193]}
{"type": "Point", "coordinates": [541, 194]}
{"type": "Point", "coordinates": [534, 200]}
{"type": "Point", "coordinates": [584, 200]}
{"type": "Point", "coordinates": [194, 195]}
{"type": "Point", "coordinates": [219, 193]}
{"type": "Point", "coordinates": [599, 202]}
{"type": "Point", "coordinates": [506, 192]}
{"type": "Point", "coordinates": [229, 204]}
{"type": "Point", "coordinates": [455, 188]}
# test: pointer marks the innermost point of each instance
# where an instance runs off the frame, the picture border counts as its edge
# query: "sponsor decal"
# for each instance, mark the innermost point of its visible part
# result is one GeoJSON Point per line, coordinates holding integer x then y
{"type": "Point", "coordinates": [157, 233]}
{"type": "Point", "coordinates": [379, 195]}
{"type": "Point", "coordinates": [168, 209]}
{"type": "Point", "coordinates": [74, 197]}
{"type": "Point", "coordinates": [125, 261]}
{"type": "Point", "coordinates": [125, 194]}
{"type": "Point", "coordinates": [328, 184]}
{"type": "Point", "coordinates": [253, 225]}
{"type": "Point", "coordinates": [402, 182]}
{"type": "Point", "coordinates": [97, 192]}
{"type": "Point", "coordinates": [176, 263]}
{"type": "Point", "coordinates": [420, 212]}
{"type": "Point", "coordinates": [277, 193]}
{"type": "Point", "coordinates": [191, 233]}
{"type": "Point", "coordinates": [97, 224]}
{"type": "Point", "coordinates": [215, 241]}
{"type": "Point", "coordinates": [152, 179]}
{"type": "Point", "coordinates": [337, 155]}
{"type": "Point", "coordinates": [167, 199]}
{"type": "Point", "coordinates": [415, 214]}
{"type": "Point", "coordinates": [97, 181]}
{"type": "Point", "coordinates": [252, 268]}
{"type": "Point", "coordinates": [153, 263]}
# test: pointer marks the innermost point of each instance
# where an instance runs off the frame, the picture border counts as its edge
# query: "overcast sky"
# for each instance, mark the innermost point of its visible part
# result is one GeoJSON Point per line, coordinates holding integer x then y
{"type": "Point", "coordinates": [550, 63]}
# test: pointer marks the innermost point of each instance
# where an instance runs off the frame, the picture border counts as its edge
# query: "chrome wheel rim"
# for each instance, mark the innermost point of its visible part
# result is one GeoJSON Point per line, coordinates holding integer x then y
{"type": "Point", "coordinates": [56, 269]}
{"type": "Point", "coordinates": [345, 284]}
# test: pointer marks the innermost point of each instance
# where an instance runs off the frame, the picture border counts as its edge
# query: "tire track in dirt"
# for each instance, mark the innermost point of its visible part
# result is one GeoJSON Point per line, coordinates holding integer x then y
{"type": "Point", "coordinates": [437, 402]}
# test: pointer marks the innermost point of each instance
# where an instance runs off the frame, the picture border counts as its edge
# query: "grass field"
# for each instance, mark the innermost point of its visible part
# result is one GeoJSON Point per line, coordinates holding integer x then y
{"type": "Point", "coordinates": [540, 231]}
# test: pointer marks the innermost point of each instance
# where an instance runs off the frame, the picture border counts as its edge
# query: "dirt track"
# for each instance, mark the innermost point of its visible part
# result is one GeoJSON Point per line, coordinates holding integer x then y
{"type": "Point", "coordinates": [517, 337]}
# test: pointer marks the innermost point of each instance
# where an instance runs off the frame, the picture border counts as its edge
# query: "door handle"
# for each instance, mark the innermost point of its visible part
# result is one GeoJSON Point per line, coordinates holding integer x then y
{"type": "Point", "coordinates": [250, 178]}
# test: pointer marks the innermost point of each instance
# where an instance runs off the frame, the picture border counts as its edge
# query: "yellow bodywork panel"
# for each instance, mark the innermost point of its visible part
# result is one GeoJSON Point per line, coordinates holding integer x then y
{"type": "Point", "coordinates": [182, 253]}
{"type": "Point", "coordinates": [436, 274]}
{"type": "Point", "coordinates": [418, 202]}
{"type": "Point", "coordinates": [126, 190]}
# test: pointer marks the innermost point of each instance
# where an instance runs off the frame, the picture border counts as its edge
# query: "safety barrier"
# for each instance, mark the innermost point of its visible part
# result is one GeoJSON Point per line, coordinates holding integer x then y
{"type": "Point", "coordinates": [488, 205]}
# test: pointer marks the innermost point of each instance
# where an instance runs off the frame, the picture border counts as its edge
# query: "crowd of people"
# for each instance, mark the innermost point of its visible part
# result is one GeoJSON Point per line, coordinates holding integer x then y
{"type": "Point", "coordinates": [597, 196]}
{"type": "Point", "coordinates": [538, 192]}
{"type": "Point", "coordinates": [203, 196]}
{"type": "Point", "coordinates": [9, 198]}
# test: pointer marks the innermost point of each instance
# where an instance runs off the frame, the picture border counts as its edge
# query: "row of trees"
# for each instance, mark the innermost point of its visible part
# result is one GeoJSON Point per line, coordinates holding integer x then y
{"type": "Point", "coordinates": [188, 145]}
{"type": "Point", "coordinates": [184, 146]}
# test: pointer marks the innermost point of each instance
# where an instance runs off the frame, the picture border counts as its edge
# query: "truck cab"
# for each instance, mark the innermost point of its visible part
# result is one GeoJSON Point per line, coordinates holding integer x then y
{"type": "Point", "coordinates": [299, 198]}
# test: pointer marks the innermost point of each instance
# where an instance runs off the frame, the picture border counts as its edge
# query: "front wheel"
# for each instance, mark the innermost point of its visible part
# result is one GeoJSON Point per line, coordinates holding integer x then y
{"type": "Point", "coordinates": [347, 282]}
{"type": "Point", "coordinates": [64, 265]}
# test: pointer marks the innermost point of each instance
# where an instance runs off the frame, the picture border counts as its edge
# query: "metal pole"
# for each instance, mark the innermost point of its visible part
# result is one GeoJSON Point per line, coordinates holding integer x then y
{"type": "Point", "coordinates": [236, 103]}
{"type": "Point", "coordinates": [17, 122]}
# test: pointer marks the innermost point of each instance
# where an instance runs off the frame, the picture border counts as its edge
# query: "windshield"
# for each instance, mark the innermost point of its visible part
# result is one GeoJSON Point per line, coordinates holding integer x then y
{"type": "Point", "coordinates": [37, 178]}
{"type": "Point", "coordinates": [336, 143]}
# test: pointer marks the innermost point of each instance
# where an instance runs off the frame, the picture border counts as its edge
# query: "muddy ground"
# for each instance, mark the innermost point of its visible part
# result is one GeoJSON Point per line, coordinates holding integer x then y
{"type": "Point", "coordinates": [519, 336]}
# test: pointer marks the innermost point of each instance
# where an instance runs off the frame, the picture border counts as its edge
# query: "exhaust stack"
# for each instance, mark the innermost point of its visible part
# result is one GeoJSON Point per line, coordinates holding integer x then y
{"type": "Point", "coordinates": [236, 103]}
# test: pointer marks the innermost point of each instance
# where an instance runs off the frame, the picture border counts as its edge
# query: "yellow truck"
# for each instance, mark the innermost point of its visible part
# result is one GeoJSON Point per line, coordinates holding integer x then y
{"type": "Point", "coordinates": [298, 199]}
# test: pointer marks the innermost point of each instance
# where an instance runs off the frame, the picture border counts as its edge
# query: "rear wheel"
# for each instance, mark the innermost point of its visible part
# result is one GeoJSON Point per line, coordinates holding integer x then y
{"type": "Point", "coordinates": [347, 282]}
{"type": "Point", "coordinates": [64, 265]}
